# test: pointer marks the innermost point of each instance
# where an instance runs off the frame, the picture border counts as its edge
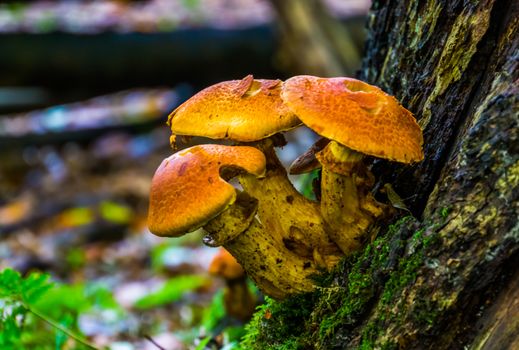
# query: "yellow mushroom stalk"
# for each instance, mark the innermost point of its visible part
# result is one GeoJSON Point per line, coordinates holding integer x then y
{"type": "Point", "coordinates": [277, 271]}
{"type": "Point", "coordinates": [283, 210]}
{"type": "Point", "coordinates": [347, 204]}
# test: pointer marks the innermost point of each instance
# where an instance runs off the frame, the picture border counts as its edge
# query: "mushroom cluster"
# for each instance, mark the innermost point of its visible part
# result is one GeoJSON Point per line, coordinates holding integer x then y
{"type": "Point", "coordinates": [280, 237]}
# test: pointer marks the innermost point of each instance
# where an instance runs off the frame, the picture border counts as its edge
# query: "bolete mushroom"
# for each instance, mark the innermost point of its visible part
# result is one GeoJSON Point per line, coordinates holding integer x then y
{"type": "Point", "coordinates": [359, 119]}
{"type": "Point", "coordinates": [188, 192]}
{"type": "Point", "coordinates": [250, 110]}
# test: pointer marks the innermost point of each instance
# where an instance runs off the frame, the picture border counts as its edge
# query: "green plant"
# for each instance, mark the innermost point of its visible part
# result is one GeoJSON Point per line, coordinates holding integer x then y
{"type": "Point", "coordinates": [22, 324]}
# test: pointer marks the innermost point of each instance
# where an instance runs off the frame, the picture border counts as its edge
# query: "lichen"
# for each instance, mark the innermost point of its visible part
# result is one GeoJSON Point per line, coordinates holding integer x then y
{"type": "Point", "coordinates": [460, 46]}
{"type": "Point", "coordinates": [367, 283]}
{"type": "Point", "coordinates": [423, 24]}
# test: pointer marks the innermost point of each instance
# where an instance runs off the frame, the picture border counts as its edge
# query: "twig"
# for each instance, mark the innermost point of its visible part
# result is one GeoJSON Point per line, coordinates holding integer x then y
{"type": "Point", "coordinates": [61, 328]}
{"type": "Point", "coordinates": [154, 342]}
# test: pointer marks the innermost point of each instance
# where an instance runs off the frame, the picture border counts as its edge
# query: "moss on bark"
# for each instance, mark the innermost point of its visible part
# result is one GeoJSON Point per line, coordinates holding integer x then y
{"type": "Point", "coordinates": [366, 282]}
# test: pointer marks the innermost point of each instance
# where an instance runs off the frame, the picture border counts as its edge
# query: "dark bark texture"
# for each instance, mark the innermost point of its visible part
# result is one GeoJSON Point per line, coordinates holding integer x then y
{"type": "Point", "coordinates": [449, 280]}
{"type": "Point", "coordinates": [455, 65]}
{"type": "Point", "coordinates": [440, 58]}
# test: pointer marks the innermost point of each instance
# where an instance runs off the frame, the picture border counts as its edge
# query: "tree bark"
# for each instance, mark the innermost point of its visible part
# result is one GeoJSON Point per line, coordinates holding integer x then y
{"type": "Point", "coordinates": [449, 280]}
{"type": "Point", "coordinates": [440, 59]}
{"type": "Point", "coordinates": [497, 327]}
{"type": "Point", "coordinates": [455, 64]}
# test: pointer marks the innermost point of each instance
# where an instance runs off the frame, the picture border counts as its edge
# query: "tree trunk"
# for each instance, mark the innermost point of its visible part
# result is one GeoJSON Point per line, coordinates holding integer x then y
{"type": "Point", "coordinates": [448, 280]}
{"type": "Point", "coordinates": [455, 64]}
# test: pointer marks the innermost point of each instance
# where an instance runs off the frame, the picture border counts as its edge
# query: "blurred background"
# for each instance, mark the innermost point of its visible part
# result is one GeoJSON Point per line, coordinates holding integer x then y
{"type": "Point", "coordinates": [85, 90]}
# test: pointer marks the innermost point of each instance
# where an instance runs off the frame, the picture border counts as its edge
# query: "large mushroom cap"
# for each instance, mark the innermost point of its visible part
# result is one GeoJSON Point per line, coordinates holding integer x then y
{"type": "Point", "coordinates": [242, 110]}
{"type": "Point", "coordinates": [355, 114]}
{"type": "Point", "coordinates": [187, 190]}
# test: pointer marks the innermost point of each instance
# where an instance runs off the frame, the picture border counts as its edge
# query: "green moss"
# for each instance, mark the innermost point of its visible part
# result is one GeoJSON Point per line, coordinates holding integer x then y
{"type": "Point", "coordinates": [277, 324]}
{"type": "Point", "coordinates": [426, 312]}
{"type": "Point", "coordinates": [444, 212]}
{"type": "Point", "coordinates": [350, 301]}
{"type": "Point", "coordinates": [405, 275]}
{"type": "Point", "coordinates": [367, 282]}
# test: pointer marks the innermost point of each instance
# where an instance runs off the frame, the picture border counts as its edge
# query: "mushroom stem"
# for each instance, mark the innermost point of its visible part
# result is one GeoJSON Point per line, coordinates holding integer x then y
{"type": "Point", "coordinates": [347, 204]}
{"type": "Point", "coordinates": [294, 220]}
{"type": "Point", "coordinates": [238, 300]}
{"type": "Point", "coordinates": [277, 271]}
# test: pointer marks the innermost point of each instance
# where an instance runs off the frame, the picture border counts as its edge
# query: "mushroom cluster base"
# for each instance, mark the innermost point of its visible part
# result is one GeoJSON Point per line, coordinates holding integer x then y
{"type": "Point", "coordinates": [285, 213]}
{"type": "Point", "coordinates": [277, 271]}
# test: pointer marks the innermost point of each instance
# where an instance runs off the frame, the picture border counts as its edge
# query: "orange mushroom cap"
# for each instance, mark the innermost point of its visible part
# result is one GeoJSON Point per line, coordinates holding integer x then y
{"type": "Point", "coordinates": [242, 110]}
{"type": "Point", "coordinates": [187, 190]}
{"type": "Point", "coordinates": [226, 266]}
{"type": "Point", "coordinates": [355, 114]}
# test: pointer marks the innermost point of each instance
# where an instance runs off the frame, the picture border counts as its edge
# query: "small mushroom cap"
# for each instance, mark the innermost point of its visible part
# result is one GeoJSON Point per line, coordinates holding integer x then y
{"type": "Point", "coordinates": [307, 161]}
{"type": "Point", "coordinates": [357, 115]}
{"type": "Point", "coordinates": [187, 190]}
{"type": "Point", "coordinates": [242, 110]}
{"type": "Point", "coordinates": [226, 266]}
